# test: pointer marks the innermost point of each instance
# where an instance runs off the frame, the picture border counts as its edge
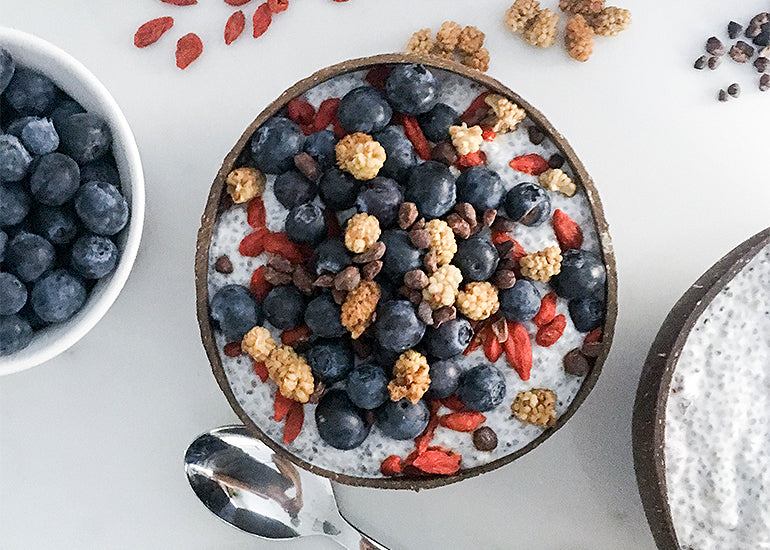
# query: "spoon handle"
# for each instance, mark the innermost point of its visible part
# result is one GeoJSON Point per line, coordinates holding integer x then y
{"type": "Point", "coordinates": [351, 538]}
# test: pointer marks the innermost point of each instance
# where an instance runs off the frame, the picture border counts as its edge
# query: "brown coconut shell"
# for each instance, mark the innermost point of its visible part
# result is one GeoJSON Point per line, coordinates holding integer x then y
{"type": "Point", "coordinates": [218, 189]}
{"type": "Point", "coordinates": [649, 422]}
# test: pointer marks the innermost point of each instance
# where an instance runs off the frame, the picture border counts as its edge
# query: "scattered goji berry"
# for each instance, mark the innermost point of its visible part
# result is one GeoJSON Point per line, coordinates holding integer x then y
{"type": "Point", "coordinates": [294, 421]}
{"type": "Point", "coordinates": [233, 349]}
{"type": "Point", "coordinates": [150, 32]}
{"type": "Point", "coordinates": [259, 286]}
{"type": "Point", "coordinates": [279, 243]}
{"type": "Point", "coordinates": [568, 233]}
{"type": "Point", "coordinates": [470, 160]}
{"type": "Point", "coordinates": [410, 458]}
{"type": "Point", "coordinates": [530, 164]}
{"type": "Point", "coordinates": [549, 334]}
{"type": "Point", "coordinates": [392, 465]}
{"type": "Point", "coordinates": [180, 2]}
{"type": "Point", "coordinates": [234, 26]}
{"type": "Point", "coordinates": [492, 348]}
{"type": "Point", "coordinates": [594, 336]}
{"type": "Point", "coordinates": [260, 369]}
{"type": "Point", "coordinates": [253, 244]}
{"type": "Point", "coordinates": [414, 134]}
{"type": "Point", "coordinates": [422, 442]}
{"type": "Point", "coordinates": [277, 6]}
{"type": "Point", "coordinates": [332, 223]}
{"type": "Point", "coordinates": [476, 110]}
{"type": "Point", "coordinates": [547, 310]}
{"type": "Point", "coordinates": [438, 461]}
{"type": "Point", "coordinates": [262, 19]}
{"type": "Point", "coordinates": [339, 130]}
{"type": "Point", "coordinates": [255, 213]}
{"type": "Point", "coordinates": [377, 76]}
{"type": "Point", "coordinates": [281, 406]}
{"type": "Point", "coordinates": [517, 251]}
{"type": "Point", "coordinates": [327, 113]}
{"type": "Point", "coordinates": [463, 421]}
{"type": "Point", "coordinates": [453, 403]}
{"type": "Point", "coordinates": [488, 134]}
{"type": "Point", "coordinates": [518, 350]}
{"type": "Point", "coordinates": [237, 2]}
{"type": "Point", "coordinates": [188, 49]}
{"type": "Point", "coordinates": [300, 111]}
{"type": "Point", "coordinates": [292, 336]}
{"type": "Point", "coordinates": [473, 346]}
{"type": "Point", "coordinates": [499, 237]}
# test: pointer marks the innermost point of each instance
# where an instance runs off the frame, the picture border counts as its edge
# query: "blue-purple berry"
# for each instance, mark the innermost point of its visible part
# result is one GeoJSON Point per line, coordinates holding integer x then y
{"type": "Point", "coordinates": [55, 179]}
{"type": "Point", "coordinates": [14, 159]}
{"type": "Point", "coordinates": [101, 208]}
{"type": "Point", "coordinates": [28, 256]}
{"type": "Point", "coordinates": [93, 256]}
{"type": "Point", "coordinates": [85, 137]}
{"type": "Point", "coordinates": [274, 145]}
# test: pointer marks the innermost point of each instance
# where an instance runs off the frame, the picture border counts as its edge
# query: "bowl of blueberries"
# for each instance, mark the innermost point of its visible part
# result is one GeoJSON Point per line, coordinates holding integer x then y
{"type": "Point", "coordinates": [71, 200]}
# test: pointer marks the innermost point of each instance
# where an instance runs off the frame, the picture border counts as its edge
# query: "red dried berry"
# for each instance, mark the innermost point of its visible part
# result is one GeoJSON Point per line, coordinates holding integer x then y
{"type": "Point", "coordinates": [549, 334]}
{"type": "Point", "coordinates": [339, 130]}
{"type": "Point", "coordinates": [255, 213]}
{"type": "Point", "coordinates": [262, 19]}
{"type": "Point", "coordinates": [332, 223]}
{"type": "Point", "coordinates": [294, 335]}
{"type": "Point", "coordinates": [518, 350]}
{"type": "Point", "coordinates": [294, 421]}
{"type": "Point", "coordinates": [180, 2]}
{"type": "Point", "coordinates": [260, 369]}
{"type": "Point", "coordinates": [327, 113]}
{"type": "Point", "coordinates": [453, 402]}
{"type": "Point", "coordinates": [547, 310]}
{"type": "Point", "coordinates": [237, 2]}
{"type": "Point", "coordinates": [232, 349]}
{"type": "Point", "coordinates": [499, 237]}
{"type": "Point", "coordinates": [488, 134]}
{"type": "Point", "coordinates": [594, 336]}
{"type": "Point", "coordinates": [277, 6]}
{"type": "Point", "coordinates": [188, 49]}
{"type": "Point", "coordinates": [568, 233]}
{"type": "Point", "coordinates": [470, 160]}
{"type": "Point", "coordinates": [234, 27]}
{"type": "Point", "coordinates": [377, 76]}
{"type": "Point", "coordinates": [150, 32]}
{"type": "Point", "coordinates": [530, 164]}
{"type": "Point", "coordinates": [392, 465]}
{"type": "Point", "coordinates": [414, 134]}
{"type": "Point", "coordinates": [476, 111]}
{"type": "Point", "coordinates": [475, 344]}
{"type": "Point", "coordinates": [422, 442]}
{"type": "Point", "coordinates": [259, 286]}
{"type": "Point", "coordinates": [281, 406]}
{"type": "Point", "coordinates": [279, 243]}
{"type": "Point", "coordinates": [438, 461]}
{"type": "Point", "coordinates": [253, 244]}
{"type": "Point", "coordinates": [301, 112]}
{"type": "Point", "coordinates": [463, 421]}
{"type": "Point", "coordinates": [492, 348]}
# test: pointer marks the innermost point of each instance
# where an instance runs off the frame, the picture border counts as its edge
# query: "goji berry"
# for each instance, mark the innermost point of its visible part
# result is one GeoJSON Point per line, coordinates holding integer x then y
{"type": "Point", "coordinates": [332, 223]}
{"type": "Point", "coordinates": [530, 164]}
{"type": "Point", "coordinates": [377, 76]}
{"type": "Point", "coordinates": [150, 32]}
{"type": "Point", "coordinates": [517, 251]}
{"type": "Point", "coordinates": [499, 237]}
{"type": "Point", "coordinates": [492, 348]}
{"type": "Point", "coordinates": [259, 286]}
{"type": "Point", "coordinates": [470, 160]}
{"type": "Point", "coordinates": [392, 465]}
{"type": "Point", "coordinates": [234, 26]}
{"type": "Point", "coordinates": [262, 19]}
{"type": "Point", "coordinates": [281, 406]}
{"type": "Point", "coordinates": [255, 213]}
{"type": "Point", "coordinates": [339, 130]}
{"type": "Point", "coordinates": [180, 2]}
{"type": "Point", "coordinates": [464, 421]}
{"type": "Point", "coordinates": [438, 461]}
{"type": "Point", "coordinates": [410, 458]}
{"type": "Point", "coordinates": [237, 2]}
{"type": "Point", "coordinates": [300, 111]}
{"type": "Point", "coordinates": [547, 310]}
{"type": "Point", "coordinates": [594, 336]}
{"type": "Point", "coordinates": [488, 134]}
{"type": "Point", "coordinates": [279, 243]}
{"type": "Point", "coordinates": [414, 134]}
{"type": "Point", "coordinates": [476, 110]}
{"type": "Point", "coordinates": [261, 370]}
{"type": "Point", "coordinates": [253, 244]}
{"type": "Point", "coordinates": [568, 233]}
{"type": "Point", "coordinates": [475, 344]}
{"type": "Point", "coordinates": [294, 335]}
{"type": "Point", "coordinates": [549, 334]}
{"type": "Point", "coordinates": [294, 421]}
{"type": "Point", "coordinates": [453, 403]}
{"type": "Point", "coordinates": [188, 49]}
{"type": "Point", "coordinates": [327, 113]}
{"type": "Point", "coordinates": [277, 6]}
{"type": "Point", "coordinates": [422, 442]}
{"type": "Point", "coordinates": [518, 350]}
{"type": "Point", "coordinates": [233, 349]}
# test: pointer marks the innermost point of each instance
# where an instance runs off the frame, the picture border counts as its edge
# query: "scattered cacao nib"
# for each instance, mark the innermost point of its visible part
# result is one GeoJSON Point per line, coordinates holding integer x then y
{"type": "Point", "coordinates": [425, 313]}
{"type": "Point", "coordinates": [761, 64]}
{"type": "Point", "coordinates": [275, 277]}
{"type": "Point", "coordinates": [575, 363]}
{"type": "Point", "coordinates": [347, 279]}
{"type": "Point", "coordinates": [722, 96]}
{"type": "Point", "coordinates": [279, 263]}
{"type": "Point", "coordinates": [734, 89]}
{"type": "Point", "coordinates": [556, 161]}
{"type": "Point", "coordinates": [445, 153]}
{"type": "Point", "coordinates": [507, 264]}
{"type": "Point", "coordinates": [361, 347]}
{"type": "Point", "coordinates": [504, 224]}
{"type": "Point", "coordinates": [714, 46]}
{"type": "Point", "coordinates": [734, 29]}
{"type": "Point", "coordinates": [371, 270]}
{"type": "Point", "coordinates": [485, 439]}
{"type": "Point", "coordinates": [764, 82]}
{"type": "Point", "coordinates": [339, 296]}
{"type": "Point", "coordinates": [407, 215]}
{"type": "Point", "coordinates": [752, 30]}
{"type": "Point", "coordinates": [592, 349]}
{"type": "Point", "coordinates": [444, 314]}
{"type": "Point", "coordinates": [714, 62]}
{"type": "Point", "coordinates": [504, 278]}
{"type": "Point", "coordinates": [420, 238]}
{"type": "Point", "coordinates": [536, 136]}
{"type": "Point", "coordinates": [416, 279]}
{"type": "Point", "coordinates": [466, 211]}
{"type": "Point", "coordinates": [700, 63]}
{"type": "Point", "coordinates": [302, 279]}
{"type": "Point", "coordinates": [504, 249]}
{"type": "Point", "coordinates": [324, 281]}
{"type": "Point", "coordinates": [374, 252]}
{"type": "Point", "coordinates": [489, 217]}
{"type": "Point", "coordinates": [741, 52]}
{"type": "Point", "coordinates": [223, 265]}
{"type": "Point", "coordinates": [414, 296]}
{"type": "Point", "coordinates": [318, 392]}
{"type": "Point", "coordinates": [430, 261]}
{"type": "Point", "coordinates": [500, 329]}
{"type": "Point", "coordinates": [308, 166]}
{"type": "Point", "coordinates": [419, 224]}
{"type": "Point", "coordinates": [762, 39]}
{"type": "Point", "coordinates": [760, 19]}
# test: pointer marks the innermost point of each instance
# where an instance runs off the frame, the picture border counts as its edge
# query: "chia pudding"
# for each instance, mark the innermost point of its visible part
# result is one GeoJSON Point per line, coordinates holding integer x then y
{"type": "Point", "coordinates": [717, 434]}
{"type": "Point", "coordinates": [465, 261]}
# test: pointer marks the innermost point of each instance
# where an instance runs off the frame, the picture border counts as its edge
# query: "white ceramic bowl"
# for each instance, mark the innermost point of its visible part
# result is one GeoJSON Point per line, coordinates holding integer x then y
{"type": "Point", "coordinates": [71, 76]}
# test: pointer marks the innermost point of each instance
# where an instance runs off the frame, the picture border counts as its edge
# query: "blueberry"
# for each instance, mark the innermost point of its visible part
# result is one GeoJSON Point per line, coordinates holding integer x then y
{"type": "Point", "coordinates": [3, 244]}
{"type": "Point", "coordinates": [331, 257]}
{"type": "Point", "coordinates": [436, 122]}
{"type": "Point", "coordinates": [306, 224]}
{"type": "Point", "coordinates": [400, 155]}
{"type": "Point", "coordinates": [55, 179]}
{"type": "Point", "coordinates": [587, 312]}
{"type": "Point", "coordinates": [400, 255]}
{"type": "Point", "coordinates": [40, 137]}
{"type": "Point", "coordinates": [364, 110]}
{"type": "Point", "coordinates": [234, 311]}
{"type": "Point", "coordinates": [63, 110]}
{"type": "Point", "coordinates": [476, 258]}
{"type": "Point", "coordinates": [14, 159]}
{"type": "Point", "coordinates": [29, 256]}
{"type": "Point", "coordinates": [56, 225]}
{"type": "Point", "coordinates": [330, 360]}
{"type": "Point", "coordinates": [403, 419]}
{"type": "Point", "coordinates": [292, 189]}
{"type": "Point", "coordinates": [17, 125]}
{"type": "Point", "coordinates": [528, 203]}
{"type": "Point", "coordinates": [324, 317]}
{"type": "Point", "coordinates": [13, 294]}
{"type": "Point", "coordinates": [94, 256]}
{"type": "Point", "coordinates": [445, 378]}
{"type": "Point", "coordinates": [367, 386]}
{"type": "Point", "coordinates": [338, 189]}
{"type": "Point", "coordinates": [15, 334]}
{"type": "Point", "coordinates": [411, 89]}
{"type": "Point", "coordinates": [274, 145]}
{"type": "Point", "coordinates": [30, 92]}
{"type": "Point", "coordinates": [57, 296]}
{"type": "Point", "coordinates": [449, 339]}
{"type": "Point", "coordinates": [101, 208]}
{"type": "Point", "coordinates": [340, 423]}
{"type": "Point", "coordinates": [397, 327]}
{"type": "Point", "coordinates": [482, 388]}
{"type": "Point", "coordinates": [320, 146]}
{"type": "Point", "coordinates": [521, 302]}
{"type": "Point", "coordinates": [7, 68]}
{"type": "Point", "coordinates": [14, 204]}
{"type": "Point", "coordinates": [85, 137]}
{"type": "Point", "coordinates": [481, 187]}
{"type": "Point", "coordinates": [582, 274]}
{"type": "Point", "coordinates": [99, 170]}
{"type": "Point", "coordinates": [432, 188]}
{"type": "Point", "coordinates": [384, 357]}
{"type": "Point", "coordinates": [381, 197]}
{"type": "Point", "coordinates": [284, 307]}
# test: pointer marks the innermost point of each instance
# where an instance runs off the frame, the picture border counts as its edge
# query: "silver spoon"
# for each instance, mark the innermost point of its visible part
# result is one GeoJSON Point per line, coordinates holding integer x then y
{"type": "Point", "coordinates": [241, 480]}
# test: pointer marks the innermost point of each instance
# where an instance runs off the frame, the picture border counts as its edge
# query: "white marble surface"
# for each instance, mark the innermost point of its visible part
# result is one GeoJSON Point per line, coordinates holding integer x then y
{"type": "Point", "coordinates": [91, 443]}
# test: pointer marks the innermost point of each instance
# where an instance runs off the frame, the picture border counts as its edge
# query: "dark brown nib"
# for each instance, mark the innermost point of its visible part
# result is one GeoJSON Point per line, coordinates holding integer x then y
{"type": "Point", "coordinates": [761, 64]}
{"type": "Point", "coordinates": [223, 265]}
{"type": "Point", "coordinates": [741, 52]}
{"type": "Point", "coordinates": [556, 161]}
{"type": "Point", "coordinates": [485, 439]}
{"type": "Point", "coordinates": [714, 62]}
{"type": "Point", "coordinates": [764, 82]}
{"type": "Point", "coordinates": [734, 29]}
{"type": "Point", "coordinates": [700, 63]}
{"type": "Point", "coordinates": [714, 46]}
{"type": "Point", "coordinates": [734, 89]}
{"type": "Point", "coordinates": [575, 363]}
{"type": "Point", "coordinates": [535, 135]}
{"type": "Point", "coordinates": [722, 95]}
